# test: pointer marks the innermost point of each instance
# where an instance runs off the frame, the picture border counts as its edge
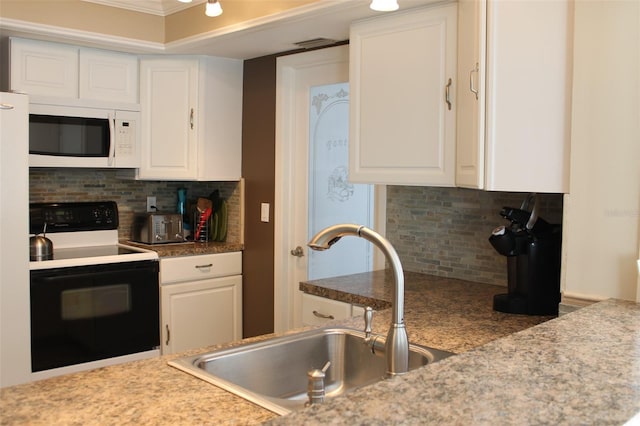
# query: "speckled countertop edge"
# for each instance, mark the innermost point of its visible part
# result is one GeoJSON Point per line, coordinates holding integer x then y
{"type": "Point", "coordinates": [187, 248]}
{"type": "Point", "coordinates": [581, 368]}
{"type": "Point", "coordinates": [447, 314]}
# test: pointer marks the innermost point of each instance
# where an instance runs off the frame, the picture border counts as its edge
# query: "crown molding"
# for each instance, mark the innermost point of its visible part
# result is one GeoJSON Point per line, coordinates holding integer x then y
{"type": "Point", "coordinates": [152, 7]}
{"type": "Point", "coordinates": [18, 28]}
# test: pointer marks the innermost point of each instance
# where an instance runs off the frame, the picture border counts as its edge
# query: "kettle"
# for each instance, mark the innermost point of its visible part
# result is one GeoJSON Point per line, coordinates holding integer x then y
{"type": "Point", "coordinates": [40, 247]}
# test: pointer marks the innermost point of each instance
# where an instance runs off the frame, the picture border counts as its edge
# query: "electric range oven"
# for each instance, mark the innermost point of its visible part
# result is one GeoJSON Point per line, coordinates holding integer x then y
{"type": "Point", "coordinates": [96, 302]}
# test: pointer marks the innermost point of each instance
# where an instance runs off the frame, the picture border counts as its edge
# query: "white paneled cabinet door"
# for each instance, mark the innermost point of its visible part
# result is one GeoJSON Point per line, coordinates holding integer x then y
{"type": "Point", "coordinates": [514, 103]}
{"type": "Point", "coordinates": [402, 77]}
{"type": "Point", "coordinates": [201, 313]}
{"type": "Point", "coordinates": [168, 101]}
{"type": "Point", "coordinates": [108, 76]}
{"type": "Point", "coordinates": [43, 69]}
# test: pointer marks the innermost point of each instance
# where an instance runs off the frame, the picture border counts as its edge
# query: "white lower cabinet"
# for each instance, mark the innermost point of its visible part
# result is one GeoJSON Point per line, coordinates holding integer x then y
{"type": "Point", "coordinates": [319, 310]}
{"type": "Point", "coordinates": [201, 301]}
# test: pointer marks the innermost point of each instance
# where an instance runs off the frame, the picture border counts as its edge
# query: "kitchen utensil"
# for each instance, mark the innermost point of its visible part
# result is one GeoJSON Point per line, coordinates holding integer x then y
{"type": "Point", "coordinates": [40, 247]}
{"type": "Point", "coordinates": [202, 229]}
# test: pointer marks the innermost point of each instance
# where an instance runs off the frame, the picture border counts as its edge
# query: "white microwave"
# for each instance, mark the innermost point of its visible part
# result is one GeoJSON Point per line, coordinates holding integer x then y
{"type": "Point", "coordinates": [80, 136]}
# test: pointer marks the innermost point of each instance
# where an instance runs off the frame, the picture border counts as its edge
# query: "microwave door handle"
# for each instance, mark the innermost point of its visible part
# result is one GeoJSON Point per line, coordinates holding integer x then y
{"type": "Point", "coordinates": [112, 140]}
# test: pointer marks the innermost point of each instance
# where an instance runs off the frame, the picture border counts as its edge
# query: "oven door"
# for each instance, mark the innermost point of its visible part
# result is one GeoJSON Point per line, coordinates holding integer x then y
{"type": "Point", "coordinates": [90, 313]}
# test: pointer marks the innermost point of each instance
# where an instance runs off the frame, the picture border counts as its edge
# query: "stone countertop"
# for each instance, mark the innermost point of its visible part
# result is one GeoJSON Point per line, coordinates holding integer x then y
{"type": "Point", "coordinates": [188, 248]}
{"type": "Point", "coordinates": [444, 313]}
{"type": "Point", "coordinates": [581, 366]}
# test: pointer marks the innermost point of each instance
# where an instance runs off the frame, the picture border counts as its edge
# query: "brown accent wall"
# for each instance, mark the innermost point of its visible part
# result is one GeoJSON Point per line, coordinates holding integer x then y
{"type": "Point", "coordinates": [258, 169]}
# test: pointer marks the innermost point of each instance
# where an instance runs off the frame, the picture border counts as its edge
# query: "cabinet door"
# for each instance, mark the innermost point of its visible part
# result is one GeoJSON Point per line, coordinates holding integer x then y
{"type": "Point", "coordinates": [402, 67]}
{"type": "Point", "coordinates": [108, 76]}
{"type": "Point", "coordinates": [43, 69]}
{"type": "Point", "coordinates": [220, 118]}
{"type": "Point", "coordinates": [471, 94]}
{"type": "Point", "coordinates": [514, 135]}
{"type": "Point", "coordinates": [201, 313]}
{"type": "Point", "coordinates": [168, 101]}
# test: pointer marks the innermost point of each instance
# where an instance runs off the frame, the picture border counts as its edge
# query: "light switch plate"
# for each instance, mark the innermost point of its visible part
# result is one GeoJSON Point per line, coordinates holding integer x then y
{"type": "Point", "coordinates": [264, 212]}
{"type": "Point", "coordinates": [151, 204]}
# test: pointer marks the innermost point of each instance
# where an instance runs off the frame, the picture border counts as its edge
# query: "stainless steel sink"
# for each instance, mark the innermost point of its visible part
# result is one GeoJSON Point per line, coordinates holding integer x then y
{"type": "Point", "coordinates": [273, 373]}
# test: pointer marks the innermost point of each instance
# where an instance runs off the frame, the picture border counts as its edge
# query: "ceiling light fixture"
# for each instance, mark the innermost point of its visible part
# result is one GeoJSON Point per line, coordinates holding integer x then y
{"type": "Point", "coordinates": [184, 1]}
{"type": "Point", "coordinates": [384, 5]}
{"type": "Point", "coordinates": [213, 8]}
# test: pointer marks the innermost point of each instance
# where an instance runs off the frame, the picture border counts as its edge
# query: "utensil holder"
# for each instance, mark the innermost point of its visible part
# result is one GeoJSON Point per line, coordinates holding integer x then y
{"type": "Point", "coordinates": [201, 227]}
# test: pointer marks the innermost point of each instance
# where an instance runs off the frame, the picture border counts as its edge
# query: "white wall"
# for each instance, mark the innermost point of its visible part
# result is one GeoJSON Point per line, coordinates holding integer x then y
{"type": "Point", "coordinates": [602, 211]}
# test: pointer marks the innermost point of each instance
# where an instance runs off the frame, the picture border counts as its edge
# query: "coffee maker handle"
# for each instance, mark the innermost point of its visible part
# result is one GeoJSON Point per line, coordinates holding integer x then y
{"type": "Point", "coordinates": [533, 217]}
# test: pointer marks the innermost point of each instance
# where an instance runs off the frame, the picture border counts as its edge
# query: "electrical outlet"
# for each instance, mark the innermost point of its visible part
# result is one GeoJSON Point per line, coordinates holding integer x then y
{"type": "Point", "coordinates": [151, 204]}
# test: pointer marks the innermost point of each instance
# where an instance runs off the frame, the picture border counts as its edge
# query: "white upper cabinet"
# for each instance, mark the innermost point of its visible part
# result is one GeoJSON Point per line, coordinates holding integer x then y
{"type": "Point", "coordinates": [402, 78]}
{"type": "Point", "coordinates": [168, 103]}
{"type": "Point", "coordinates": [108, 76]}
{"type": "Point", "coordinates": [69, 72]}
{"type": "Point", "coordinates": [514, 106]}
{"type": "Point", "coordinates": [43, 69]}
{"type": "Point", "coordinates": [191, 118]}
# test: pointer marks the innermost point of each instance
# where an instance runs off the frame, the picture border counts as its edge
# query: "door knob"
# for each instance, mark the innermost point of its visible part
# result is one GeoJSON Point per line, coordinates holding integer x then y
{"type": "Point", "coordinates": [297, 252]}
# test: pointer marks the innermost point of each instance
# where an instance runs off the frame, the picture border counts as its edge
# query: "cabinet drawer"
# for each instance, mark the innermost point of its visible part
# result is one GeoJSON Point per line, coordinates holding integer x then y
{"type": "Point", "coordinates": [318, 310]}
{"type": "Point", "coordinates": [191, 268]}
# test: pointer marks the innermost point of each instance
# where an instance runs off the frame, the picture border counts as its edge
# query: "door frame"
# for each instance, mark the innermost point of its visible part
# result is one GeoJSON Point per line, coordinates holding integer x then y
{"type": "Point", "coordinates": [286, 304]}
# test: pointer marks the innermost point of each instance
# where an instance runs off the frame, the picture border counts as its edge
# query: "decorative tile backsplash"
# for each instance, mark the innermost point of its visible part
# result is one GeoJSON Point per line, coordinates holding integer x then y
{"type": "Point", "coordinates": [65, 185]}
{"type": "Point", "coordinates": [438, 231]}
{"type": "Point", "coordinates": [445, 231]}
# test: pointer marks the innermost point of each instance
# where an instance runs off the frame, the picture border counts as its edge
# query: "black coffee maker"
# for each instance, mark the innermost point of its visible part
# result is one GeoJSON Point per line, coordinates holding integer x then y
{"type": "Point", "coordinates": [533, 250]}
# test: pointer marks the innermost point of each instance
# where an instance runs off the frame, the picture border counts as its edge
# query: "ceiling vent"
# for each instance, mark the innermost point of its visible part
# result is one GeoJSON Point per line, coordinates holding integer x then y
{"type": "Point", "coordinates": [315, 42]}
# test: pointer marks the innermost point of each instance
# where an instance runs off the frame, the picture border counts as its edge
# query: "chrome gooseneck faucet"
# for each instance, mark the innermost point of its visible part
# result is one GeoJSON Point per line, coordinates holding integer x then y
{"type": "Point", "coordinates": [397, 342]}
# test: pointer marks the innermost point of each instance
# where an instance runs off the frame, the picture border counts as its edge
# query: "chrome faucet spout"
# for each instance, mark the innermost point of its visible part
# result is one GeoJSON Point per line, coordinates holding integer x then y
{"type": "Point", "coordinates": [397, 343]}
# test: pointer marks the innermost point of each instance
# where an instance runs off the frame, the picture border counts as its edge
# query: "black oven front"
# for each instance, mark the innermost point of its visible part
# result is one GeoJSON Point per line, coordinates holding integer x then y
{"type": "Point", "coordinates": [88, 313]}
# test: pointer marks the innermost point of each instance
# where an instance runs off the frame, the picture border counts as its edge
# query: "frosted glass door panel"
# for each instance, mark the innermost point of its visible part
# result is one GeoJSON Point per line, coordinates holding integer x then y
{"type": "Point", "coordinates": [332, 198]}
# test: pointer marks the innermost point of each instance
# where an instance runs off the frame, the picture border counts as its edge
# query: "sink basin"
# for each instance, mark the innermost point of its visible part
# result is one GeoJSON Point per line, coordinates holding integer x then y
{"type": "Point", "coordinates": [273, 373]}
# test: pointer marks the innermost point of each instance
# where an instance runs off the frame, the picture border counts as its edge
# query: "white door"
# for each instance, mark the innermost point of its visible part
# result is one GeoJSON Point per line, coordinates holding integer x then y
{"type": "Point", "coordinates": [312, 189]}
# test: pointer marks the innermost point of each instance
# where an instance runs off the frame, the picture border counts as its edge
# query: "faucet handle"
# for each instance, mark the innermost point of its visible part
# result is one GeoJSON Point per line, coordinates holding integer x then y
{"type": "Point", "coordinates": [368, 320]}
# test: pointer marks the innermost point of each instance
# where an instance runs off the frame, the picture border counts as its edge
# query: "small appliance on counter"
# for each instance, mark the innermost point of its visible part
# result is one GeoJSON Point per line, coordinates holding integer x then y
{"type": "Point", "coordinates": [157, 228]}
{"type": "Point", "coordinates": [533, 250]}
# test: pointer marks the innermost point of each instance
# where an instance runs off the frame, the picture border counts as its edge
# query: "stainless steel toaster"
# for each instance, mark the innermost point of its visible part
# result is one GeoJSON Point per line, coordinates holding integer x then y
{"type": "Point", "coordinates": [156, 228]}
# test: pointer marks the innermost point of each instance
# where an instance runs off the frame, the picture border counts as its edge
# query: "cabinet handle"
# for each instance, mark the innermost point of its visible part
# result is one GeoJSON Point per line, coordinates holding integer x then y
{"type": "Point", "coordinates": [323, 316]}
{"type": "Point", "coordinates": [208, 265]}
{"type": "Point", "coordinates": [191, 118]}
{"type": "Point", "coordinates": [168, 335]}
{"type": "Point", "coordinates": [447, 94]}
{"type": "Point", "coordinates": [472, 86]}
{"type": "Point", "coordinates": [6, 106]}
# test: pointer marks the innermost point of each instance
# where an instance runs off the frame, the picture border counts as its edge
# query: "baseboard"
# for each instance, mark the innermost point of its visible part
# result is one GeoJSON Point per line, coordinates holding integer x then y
{"type": "Point", "coordinates": [573, 302]}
